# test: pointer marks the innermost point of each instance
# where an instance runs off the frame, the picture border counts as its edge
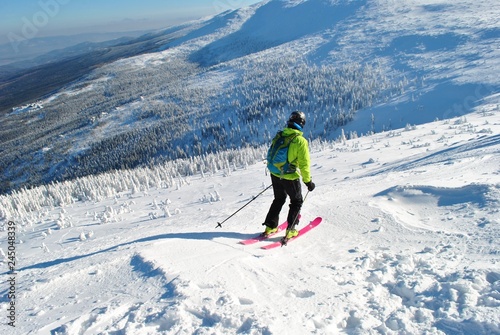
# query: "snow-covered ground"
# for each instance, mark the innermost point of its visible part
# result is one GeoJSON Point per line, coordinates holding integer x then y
{"type": "Point", "coordinates": [409, 244]}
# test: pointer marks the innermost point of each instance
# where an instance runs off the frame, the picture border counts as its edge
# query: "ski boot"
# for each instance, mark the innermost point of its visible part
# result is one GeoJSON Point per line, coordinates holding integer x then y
{"type": "Point", "coordinates": [268, 231]}
{"type": "Point", "coordinates": [290, 233]}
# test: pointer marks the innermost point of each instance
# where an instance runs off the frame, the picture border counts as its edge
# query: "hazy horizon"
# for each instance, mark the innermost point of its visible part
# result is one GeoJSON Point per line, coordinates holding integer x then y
{"type": "Point", "coordinates": [21, 22]}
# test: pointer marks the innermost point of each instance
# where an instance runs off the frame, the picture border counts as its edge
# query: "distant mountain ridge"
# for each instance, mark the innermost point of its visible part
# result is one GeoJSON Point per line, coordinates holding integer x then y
{"type": "Point", "coordinates": [25, 83]}
{"type": "Point", "coordinates": [24, 53]}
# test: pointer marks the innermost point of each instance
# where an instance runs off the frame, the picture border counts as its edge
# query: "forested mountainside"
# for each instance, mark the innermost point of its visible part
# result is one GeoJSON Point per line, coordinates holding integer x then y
{"type": "Point", "coordinates": [230, 81]}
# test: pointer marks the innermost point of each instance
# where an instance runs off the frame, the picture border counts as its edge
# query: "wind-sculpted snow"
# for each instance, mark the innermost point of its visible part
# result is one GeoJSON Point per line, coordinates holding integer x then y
{"type": "Point", "coordinates": [475, 194]}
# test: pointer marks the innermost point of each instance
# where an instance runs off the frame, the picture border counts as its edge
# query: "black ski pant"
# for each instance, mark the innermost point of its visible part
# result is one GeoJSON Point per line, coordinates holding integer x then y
{"type": "Point", "coordinates": [282, 188]}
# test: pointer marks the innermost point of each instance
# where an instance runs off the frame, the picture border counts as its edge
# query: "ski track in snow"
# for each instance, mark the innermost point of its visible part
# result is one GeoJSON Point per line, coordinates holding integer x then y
{"type": "Point", "coordinates": [409, 244]}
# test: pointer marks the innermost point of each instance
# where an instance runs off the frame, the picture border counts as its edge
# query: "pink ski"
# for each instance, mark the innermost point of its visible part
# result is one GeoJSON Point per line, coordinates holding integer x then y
{"type": "Point", "coordinates": [314, 223]}
{"type": "Point", "coordinates": [261, 237]}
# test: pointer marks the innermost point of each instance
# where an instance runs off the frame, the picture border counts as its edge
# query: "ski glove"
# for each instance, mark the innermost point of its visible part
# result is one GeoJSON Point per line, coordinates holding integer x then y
{"type": "Point", "coordinates": [310, 186]}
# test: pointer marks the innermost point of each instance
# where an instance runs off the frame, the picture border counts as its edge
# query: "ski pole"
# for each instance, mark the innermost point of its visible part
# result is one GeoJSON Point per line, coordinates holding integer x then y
{"type": "Point", "coordinates": [296, 216]}
{"type": "Point", "coordinates": [284, 240]}
{"type": "Point", "coordinates": [219, 224]}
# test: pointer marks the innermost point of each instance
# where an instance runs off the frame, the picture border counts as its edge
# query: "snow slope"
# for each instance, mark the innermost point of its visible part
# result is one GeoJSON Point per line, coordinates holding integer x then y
{"type": "Point", "coordinates": [409, 245]}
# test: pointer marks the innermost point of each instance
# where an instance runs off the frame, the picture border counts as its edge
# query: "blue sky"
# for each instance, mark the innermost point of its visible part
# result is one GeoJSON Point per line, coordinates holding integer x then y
{"type": "Point", "coordinates": [38, 18]}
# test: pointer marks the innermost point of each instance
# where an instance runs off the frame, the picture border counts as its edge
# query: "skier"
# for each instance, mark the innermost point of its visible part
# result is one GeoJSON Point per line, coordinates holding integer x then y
{"type": "Point", "coordinates": [288, 182]}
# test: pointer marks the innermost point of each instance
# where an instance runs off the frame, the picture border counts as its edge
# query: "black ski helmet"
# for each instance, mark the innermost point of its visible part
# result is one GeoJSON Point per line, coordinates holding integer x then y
{"type": "Point", "coordinates": [298, 118]}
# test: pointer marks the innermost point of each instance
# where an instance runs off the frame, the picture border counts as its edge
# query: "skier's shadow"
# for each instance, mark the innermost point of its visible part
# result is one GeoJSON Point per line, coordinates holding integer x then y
{"type": "Point", "coordinates": [186, 236]}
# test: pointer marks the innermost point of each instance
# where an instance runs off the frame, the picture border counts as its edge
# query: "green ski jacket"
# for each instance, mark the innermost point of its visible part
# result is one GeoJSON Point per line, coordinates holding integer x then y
{"type": "Point", "coordinates": [298, 155]}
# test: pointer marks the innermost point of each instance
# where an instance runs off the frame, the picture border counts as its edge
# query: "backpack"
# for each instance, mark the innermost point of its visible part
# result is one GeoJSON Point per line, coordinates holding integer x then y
{"type": "Point", "coordinates": [277, 155]}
